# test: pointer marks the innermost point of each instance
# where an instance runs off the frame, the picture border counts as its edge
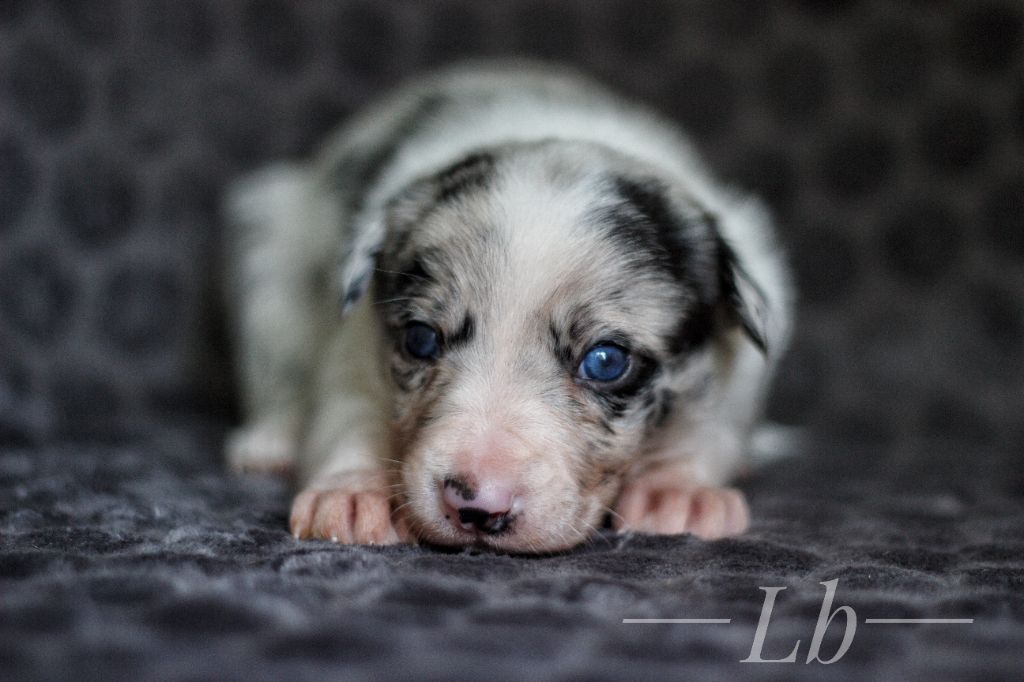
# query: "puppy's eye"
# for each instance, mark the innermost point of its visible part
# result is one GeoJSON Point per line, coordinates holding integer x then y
{"type": "Point", "coordinates": [604, 362]}
{"type": "Point", "coordinates": [421, 341]}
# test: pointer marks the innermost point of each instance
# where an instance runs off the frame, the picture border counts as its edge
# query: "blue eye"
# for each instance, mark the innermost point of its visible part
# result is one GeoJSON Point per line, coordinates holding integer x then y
{"type": "Point", "coordinates": [604, 362]}
{"type": "Point", "coordinates": [421, 341]}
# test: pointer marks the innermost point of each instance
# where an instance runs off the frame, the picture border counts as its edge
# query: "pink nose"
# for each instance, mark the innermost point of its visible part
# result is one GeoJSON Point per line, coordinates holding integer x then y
{"type": "Point", "coordinates": [487, 507]}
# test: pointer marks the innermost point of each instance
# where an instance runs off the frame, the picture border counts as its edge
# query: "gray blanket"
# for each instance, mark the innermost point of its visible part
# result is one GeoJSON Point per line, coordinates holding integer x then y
{"type": "Point", "coordinates": [143, 561]}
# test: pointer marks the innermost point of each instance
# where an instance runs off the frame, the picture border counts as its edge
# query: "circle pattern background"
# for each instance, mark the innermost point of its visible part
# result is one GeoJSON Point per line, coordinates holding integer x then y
{"type": "Point", "coordinates": [888, 139]}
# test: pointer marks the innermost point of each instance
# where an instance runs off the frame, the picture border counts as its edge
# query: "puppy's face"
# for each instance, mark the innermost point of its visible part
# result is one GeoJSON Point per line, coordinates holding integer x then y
{"type": "Point", "coordinates": [545, 308]}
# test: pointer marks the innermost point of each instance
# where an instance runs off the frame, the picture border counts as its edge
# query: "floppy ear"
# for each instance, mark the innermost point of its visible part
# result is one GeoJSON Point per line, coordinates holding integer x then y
{"type": "Point", "coordinates": [359, 260]}
{"type": "Point", "coordinates": [403, 211]}
{"type": "Point", "coordinates": [743, 299]}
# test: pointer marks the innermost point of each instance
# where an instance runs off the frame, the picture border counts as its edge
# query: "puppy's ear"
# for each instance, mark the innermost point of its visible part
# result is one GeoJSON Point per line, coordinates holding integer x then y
{"type": "Point", "coordinates": [403, 213]}
{"type": "Point", "coordinates": [743, 300]}
{"type": "Point", "coordinates": [359, 260]}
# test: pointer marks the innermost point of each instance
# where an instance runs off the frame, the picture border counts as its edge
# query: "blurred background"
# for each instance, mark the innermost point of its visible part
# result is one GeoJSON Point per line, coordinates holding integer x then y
{"type": "Point", "coordinates": [888, 138]}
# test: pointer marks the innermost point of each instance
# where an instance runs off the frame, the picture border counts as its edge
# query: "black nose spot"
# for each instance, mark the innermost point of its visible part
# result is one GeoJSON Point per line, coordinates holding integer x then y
{"type": "Point", "coordinates": [484, 521]}
{"type": "Point", "coordinates": [461, 487]}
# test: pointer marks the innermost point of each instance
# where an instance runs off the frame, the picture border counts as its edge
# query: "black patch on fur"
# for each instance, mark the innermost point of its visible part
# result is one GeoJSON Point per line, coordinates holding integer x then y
{"type": "Point", "coordinates": [417, 271]}
{"type": "Point", "coordinates": [612, 406]}
{"type": "Point", "coordinates": [461, 487]}
{"type": "Point", "coordinates": [463, 335]}
{"type": "Point", "coordinates": [414, 275]}
{"type": "Point", "coordinates": [645, 224]}
{"type": "Point", "coordinates": [744, 312]}
{"type": "Point", "coordinates": [693, 331]}
{"type": "Point", "coordinates": [425, 419]}
{"type": "Point", "coordinates": [473, 172]}
{"type": "Point", "coordinates": [563, 351]}
{"type": "Point", "coordinates": [660, 405]}
{"type": "Point", "coordinates": [408, 377]}
{"type": "Point", "coordinates": [396, 281]}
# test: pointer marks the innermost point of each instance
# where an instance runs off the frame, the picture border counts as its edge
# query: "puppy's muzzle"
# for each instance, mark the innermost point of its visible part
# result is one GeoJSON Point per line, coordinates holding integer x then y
{"type": "Point", "coordinates": [489, 507]}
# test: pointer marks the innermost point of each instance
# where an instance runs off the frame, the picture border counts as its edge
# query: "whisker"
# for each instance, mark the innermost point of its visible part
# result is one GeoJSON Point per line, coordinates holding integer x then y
{"type": "Point", "coordinates": [414, 530]}
{"type": "Point", "coordinates": [595, 534]}
{"type": "Point", "coordinates": [405, 504]}
{"type": "Point", "coordinates": [393, 300]}
{"type": "Point", "coordinates": [402, 274]}
{"type": "Point", "coordinates": [614, 513]}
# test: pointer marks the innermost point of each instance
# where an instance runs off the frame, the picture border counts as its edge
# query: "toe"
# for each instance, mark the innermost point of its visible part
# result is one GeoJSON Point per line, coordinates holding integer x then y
{"type": "Point", "coordinates": [737, 512]}
{"type": "Point", "coordinates": [343, 516]}
{"type": "Point", "coordinates": [672, 512]}
{"type": "Point", "coordinates": [302, 514]}
{"type": "Point", "coordinates": [372, 523]}
{"type": "Point", "coordinates": [707, 512]}
{"type": "Point", "coordinates": [332, 519]}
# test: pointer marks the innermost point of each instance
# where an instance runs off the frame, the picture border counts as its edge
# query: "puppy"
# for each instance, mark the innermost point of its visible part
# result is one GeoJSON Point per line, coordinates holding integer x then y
{"type": "Point", "coordinates": [502, 305]}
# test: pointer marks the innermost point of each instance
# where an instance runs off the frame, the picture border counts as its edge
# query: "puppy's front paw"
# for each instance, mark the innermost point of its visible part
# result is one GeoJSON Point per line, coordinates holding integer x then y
{"type": "Point", "coordinates": [351, 508]}
{"type": "Point", "coordinates": [668, 502]}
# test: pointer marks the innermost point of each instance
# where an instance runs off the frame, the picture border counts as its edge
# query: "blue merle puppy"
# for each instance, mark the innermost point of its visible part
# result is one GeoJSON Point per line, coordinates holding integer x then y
{"type": "Point", "coordinates": [501, 307]}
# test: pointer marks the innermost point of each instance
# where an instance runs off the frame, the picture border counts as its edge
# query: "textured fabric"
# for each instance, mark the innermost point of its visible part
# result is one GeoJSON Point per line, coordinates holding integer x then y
{"type": "Point", "coordinates": [143, 560]}
{"type": "Point", "coordinates": [888, 138]}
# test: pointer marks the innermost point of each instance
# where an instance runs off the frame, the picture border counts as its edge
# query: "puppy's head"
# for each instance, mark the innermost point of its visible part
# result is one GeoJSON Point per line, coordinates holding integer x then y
{"type": "Point", "coordinates": [544, 306]}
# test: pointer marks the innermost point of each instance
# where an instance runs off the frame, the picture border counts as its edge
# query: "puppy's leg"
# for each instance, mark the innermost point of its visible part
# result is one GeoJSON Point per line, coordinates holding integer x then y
{"type": "Point", "coordinates": [350, 507]}
{"type": "Point", "coordinates": [682, 487]}
{"type": "Point", "coordinates": [348, 482]}
{"type": "Point", "coordinates": [669, 499]}
{"type": "Point", "coordinates": [271, 249]}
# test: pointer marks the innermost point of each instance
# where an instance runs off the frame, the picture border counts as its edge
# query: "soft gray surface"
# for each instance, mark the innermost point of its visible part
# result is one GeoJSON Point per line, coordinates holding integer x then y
{"type": "Point", "coordinates": [143, 560]}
